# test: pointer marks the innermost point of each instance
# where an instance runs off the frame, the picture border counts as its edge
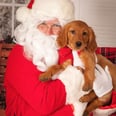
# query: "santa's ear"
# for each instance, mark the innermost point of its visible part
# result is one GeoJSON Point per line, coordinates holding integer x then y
{"type": "Point", "coordinates": [62, 37]}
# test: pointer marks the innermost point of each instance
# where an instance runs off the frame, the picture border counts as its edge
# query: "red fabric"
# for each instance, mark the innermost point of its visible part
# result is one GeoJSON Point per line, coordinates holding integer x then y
{"type": "Point", "coordinates": [114, 114]}
{"type": "Point", "coordinates": [108, 52]}
{"type": "Point", "coordinates": [33, 98]}
{"type": "Point", "coordinates": [30, 4]}
{"type": "Point", "coordinates": [65, 54]}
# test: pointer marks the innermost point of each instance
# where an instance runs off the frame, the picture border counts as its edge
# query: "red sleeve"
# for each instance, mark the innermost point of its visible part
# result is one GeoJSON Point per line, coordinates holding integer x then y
{"type": "Point", "coordinates": [64, 111]}
{"type": "Point", "coordinates": [22, 75]}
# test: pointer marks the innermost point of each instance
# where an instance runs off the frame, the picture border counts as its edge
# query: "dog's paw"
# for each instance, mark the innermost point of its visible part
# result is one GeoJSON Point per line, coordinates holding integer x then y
{"type": "Point", "coordinates": [85, 113]}
{"type": "Point", "coordinates": [45, 77]}
{"type": "Point", "coordinates": [84, 98]}
{"type": "Point", "coordinates": [87, 86]}
{"type": "Point", "coordinates": [66, 63]}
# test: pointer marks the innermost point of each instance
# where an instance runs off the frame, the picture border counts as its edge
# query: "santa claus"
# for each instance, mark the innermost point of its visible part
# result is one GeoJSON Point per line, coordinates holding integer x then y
{"type": "Point", "coordinates": [34, 52]}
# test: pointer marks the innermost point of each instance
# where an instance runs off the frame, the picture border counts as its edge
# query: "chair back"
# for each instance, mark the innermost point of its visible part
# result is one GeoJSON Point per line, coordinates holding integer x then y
{"type": "Point", "coordinates": [5, 49]}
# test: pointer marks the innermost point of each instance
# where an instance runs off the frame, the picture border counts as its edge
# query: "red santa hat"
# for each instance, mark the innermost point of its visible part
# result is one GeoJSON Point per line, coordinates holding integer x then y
{"type": "Point", "coordinates": [61, 9]}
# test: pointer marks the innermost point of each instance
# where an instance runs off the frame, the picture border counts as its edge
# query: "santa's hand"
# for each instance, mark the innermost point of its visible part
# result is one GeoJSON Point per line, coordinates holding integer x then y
{"type": "Point", "coordinates": [103, 81]}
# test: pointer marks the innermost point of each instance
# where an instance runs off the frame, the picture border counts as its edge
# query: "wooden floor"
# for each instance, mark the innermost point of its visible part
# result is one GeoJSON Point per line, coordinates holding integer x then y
{"type": "Point", "coordinates": [2, 112]}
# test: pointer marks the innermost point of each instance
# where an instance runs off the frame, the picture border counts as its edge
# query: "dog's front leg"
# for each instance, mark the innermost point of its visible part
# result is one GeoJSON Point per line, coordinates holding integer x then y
{"type": "Point", "coordinates": [89, 72]}
{"type": "Point", "coordinates": [50, 72]}
{"type": "Point", "coordinates": [54, 70]}
{"type": "Point", "coordinates": [88, 97]}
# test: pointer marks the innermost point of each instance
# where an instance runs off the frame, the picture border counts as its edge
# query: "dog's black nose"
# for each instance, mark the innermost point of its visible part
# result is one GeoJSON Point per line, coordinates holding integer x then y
{"type": "Point", "coordinates": [78, 44]}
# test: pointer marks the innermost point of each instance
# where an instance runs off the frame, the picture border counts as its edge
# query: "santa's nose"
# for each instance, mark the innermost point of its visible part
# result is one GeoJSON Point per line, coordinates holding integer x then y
{"type": "Point", "coordinates": [49, 31]}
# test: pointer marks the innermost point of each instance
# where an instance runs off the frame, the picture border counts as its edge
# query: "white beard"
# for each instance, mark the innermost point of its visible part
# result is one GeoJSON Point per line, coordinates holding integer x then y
{"type": "Point", "coordinates": [41, 49]}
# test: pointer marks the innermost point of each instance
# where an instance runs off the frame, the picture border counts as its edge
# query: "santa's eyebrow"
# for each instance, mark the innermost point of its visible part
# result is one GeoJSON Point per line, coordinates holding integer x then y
{"type": "Point", "coordinates": [43, 23]}
{"type": "Point", "coordinates": [57, 24]}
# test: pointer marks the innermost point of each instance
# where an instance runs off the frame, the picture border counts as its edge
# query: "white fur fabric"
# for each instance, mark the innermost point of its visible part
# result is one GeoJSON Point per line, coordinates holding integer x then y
{"type": "Point", "coordinates": [73, 80]}
{"type": "Point", "coordinates": [38, 47]}
{"type": "Point", "coordinates": [44, 51]}
{"type": "Point", "coordinates": [61, 9]}
{"type": "Point", "coordinates": [104, 112]}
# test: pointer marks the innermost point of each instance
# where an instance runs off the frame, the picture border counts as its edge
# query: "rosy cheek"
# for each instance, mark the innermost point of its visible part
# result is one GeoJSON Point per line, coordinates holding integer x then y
{"type": "Point", "coordinates": [42, 28]}
{"type": "Point", "coordinates": [56, 31]}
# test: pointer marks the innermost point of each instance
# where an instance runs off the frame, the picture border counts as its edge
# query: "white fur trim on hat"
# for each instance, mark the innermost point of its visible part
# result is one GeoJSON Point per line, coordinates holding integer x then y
{"type": "Point", "coordinates": [22, 14]}
{"type": "Point", "coordinates": [61, 9]}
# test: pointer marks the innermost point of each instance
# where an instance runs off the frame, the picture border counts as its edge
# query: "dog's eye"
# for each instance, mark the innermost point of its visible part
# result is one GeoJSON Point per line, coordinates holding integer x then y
{"type": "Point", "coordinates": [84, 33]}
{"type": "Point", "coordinates": [72, 31]}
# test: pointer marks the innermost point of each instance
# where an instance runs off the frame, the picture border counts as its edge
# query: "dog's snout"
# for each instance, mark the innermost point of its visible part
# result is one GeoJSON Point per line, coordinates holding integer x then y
{"type": "Point", "coordinates": [78, 44]}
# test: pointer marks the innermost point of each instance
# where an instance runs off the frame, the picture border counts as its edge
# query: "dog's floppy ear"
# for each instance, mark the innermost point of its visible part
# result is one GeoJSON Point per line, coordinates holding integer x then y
{"type": "Point", "coordinates": [92, 45]}
{"type": "Point", "coordinates": [62, 37]}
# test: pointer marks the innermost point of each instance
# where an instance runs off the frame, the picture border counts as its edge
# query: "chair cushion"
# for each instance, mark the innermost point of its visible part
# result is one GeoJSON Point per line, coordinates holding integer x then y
{"type": "Point", "coordinates": [108, 52]}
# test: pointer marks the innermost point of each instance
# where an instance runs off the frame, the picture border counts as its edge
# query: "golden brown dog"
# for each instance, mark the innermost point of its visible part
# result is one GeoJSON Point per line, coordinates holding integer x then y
{"type": "Point", "coordinates": [77, 35]}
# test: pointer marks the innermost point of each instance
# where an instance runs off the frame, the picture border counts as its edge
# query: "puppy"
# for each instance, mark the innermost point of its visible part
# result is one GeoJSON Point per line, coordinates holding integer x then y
{"type": "Point", "coordinates": [79, 37]}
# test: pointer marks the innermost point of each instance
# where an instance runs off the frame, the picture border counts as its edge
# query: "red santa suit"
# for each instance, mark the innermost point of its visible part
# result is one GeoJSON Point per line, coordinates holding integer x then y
{"type": "Point", "coordinates": [33, 98]}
